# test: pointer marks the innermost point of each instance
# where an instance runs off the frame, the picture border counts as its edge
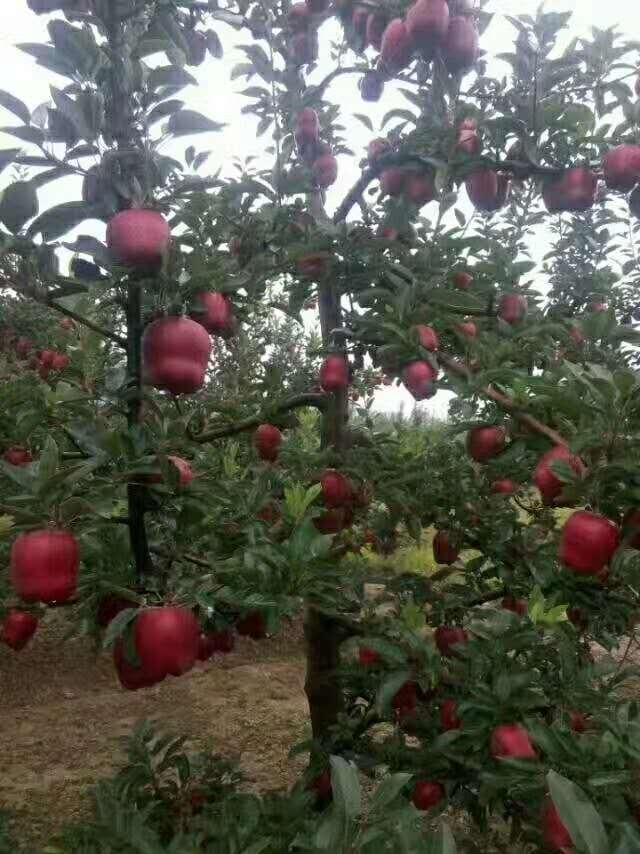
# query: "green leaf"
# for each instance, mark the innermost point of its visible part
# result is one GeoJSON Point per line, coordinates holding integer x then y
{"type": "Point", "coordinates": [389, 790]}
{"type": "Point", "coordinates": [28, 134]}
{"type": "Point", "coordinates": [164, 109]}
{"type": "Point", "coordinates": [441, 842]}
{"type": "Point", "coordinates": [72, 111]}
{"type": "Point", "coordinates": [60, 219]}
{"type": "Point", "coordinates": [578, 814]}
{"type": "Point", "coordinates": [189, 121]}
{"type": "Point", "coordinates": [7, 157]}
{"type": "Point", "coordinates": [347, 795]}
{"type": "Point", "coordinates": [117, 626]}
{"type": "Point", "coordinates": [49, 461]}
{"type": "Point", "coordinates": [170, 75]}
{"type": "Point", "coordinates": [19, 204]}
{"type": "Point", "coordinates": [15, 106]}
{"type": "Point", "coordinates": [366, 121]}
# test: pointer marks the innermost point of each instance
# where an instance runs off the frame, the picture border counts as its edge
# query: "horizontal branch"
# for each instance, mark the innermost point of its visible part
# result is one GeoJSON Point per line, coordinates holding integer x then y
{"type": "Point", "coordinates": [84, 321]}
{"type": "Point", "coordinates": [224, 430]}
{"type": "Point", "coordinates": [505, 403]}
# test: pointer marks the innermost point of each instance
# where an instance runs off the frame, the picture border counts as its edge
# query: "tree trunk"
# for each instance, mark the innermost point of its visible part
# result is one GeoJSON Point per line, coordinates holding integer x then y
{"type": "Point", "coordinates": [323, 635]}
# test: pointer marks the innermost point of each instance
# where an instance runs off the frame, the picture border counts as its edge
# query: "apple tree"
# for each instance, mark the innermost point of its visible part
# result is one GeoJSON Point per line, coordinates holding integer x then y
{"type": "Point", "coordinates": [488, 248]}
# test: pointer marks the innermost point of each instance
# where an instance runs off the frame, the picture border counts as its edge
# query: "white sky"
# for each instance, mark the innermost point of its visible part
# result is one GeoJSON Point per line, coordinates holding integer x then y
{"type": "Point", "coordinates": [31, 83]}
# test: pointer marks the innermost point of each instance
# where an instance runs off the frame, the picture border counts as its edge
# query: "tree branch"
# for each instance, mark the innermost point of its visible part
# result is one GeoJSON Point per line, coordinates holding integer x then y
{"type": "Point", "coordinates": [84, 321]}
{"type": "Point", "coordinates": [211, 435]}
{"type": "Point", "coordinates": [504, 402]}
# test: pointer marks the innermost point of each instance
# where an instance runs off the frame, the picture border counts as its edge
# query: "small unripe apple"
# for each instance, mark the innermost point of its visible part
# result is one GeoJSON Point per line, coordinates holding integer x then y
{"type": "Point", "coordinates": [554, 831]}
{"type": "Point", "coordinates": [392, 181]}
{"type": "Point", "coordinates": [512, 741]}
{"type": "Point", "coordinates": [449, 716]}
{"type": "Point", "coordinates": [267, 440]}
{"type": "Point", "coordinates": [546, 479]}
{"type": "Point", "coordinates": [621, 167]}
{"type": "Point", "coordinates": [368, 657]}
{"type": "Point", "coordinates": [487, 189]}
{"type": "Point", "coordinates": [376, 25]}
{"type": "Point", "coordinates": [485, 443]}
{"type": "Point", "coordinates": [252, 625]}
{"type": "Point", "coordinates": [460, 46]}
{"type": "Point", "coordinates": [176, 353]}
{"type": "Point", "coordinates": [334, 374]}
{"type": "Point", "coordinates": [512, 308]}
{"type": "Point", "coordinates": [427, 337]}
{"type": "Point", "coordinates": [427, 794]}
{"type": "Point", "coordinates": [325, 170]}
{"type": "Point", "coordinates": [445, 549]}
{"type": "Point", "coordinates": [516, 606]}
{"type": "Point", "coordinates": [462, 281]}
{"type": "Point", "coordinates": [17, 456]}
{"type": "Point", "coordinates": [44, 566]}
{"type": "Point", "coordinates": [17, 629]}
{"type": "Point", "coordinates": [588, 543]}
{"type": "Point", "coordinates": [336, 489]}
{"type": "Point", "coordinates": [419, 187]}
{"type": "Point", "coordinates": [427, 24]}
{"type": "Point", "coordinates": [574, 190]}
{"type": "Point", "coordinates": [138, 239]}
{"type": "Point", "coordinates": [396, 47]}
{"type": "Point", "coordinates": [420, 378]}
{"type": "Point", "coordinates": [371, 86]}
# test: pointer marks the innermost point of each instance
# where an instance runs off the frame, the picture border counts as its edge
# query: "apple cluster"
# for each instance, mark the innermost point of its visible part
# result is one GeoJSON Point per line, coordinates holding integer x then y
{"type": "Point", "coordinates": [313, 151]}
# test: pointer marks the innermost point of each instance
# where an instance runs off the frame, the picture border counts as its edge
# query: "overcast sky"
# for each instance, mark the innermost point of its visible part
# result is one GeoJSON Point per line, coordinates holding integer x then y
{"type": "Point", "coordinates": [31, 83]}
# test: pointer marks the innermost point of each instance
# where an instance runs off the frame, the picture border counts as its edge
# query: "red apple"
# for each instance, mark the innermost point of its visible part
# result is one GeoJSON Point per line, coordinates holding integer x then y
{"type": "Point", "coordinates": [487, 189]}
{"type": "Point", "coordinates": [449, 715]}
{"type": "Point", "coordinates": [578, 721]}
{"type": "Point", "coordinates": [485, 443]}
{"type": "Point", "coordinates": [176, 353]}
{"type": "Point", "coordinates": [445, 550]}
{"type": "Point", "coordinates": [44, 566]}
{"type": "Point", "coordinates": [427, 337]}
{"type": "Point", "coordinates": [460, 46]}
{"type": "Point", "coordinates": [60, 362]}
{"type": "Point", "coordinates": [186, 474]}
{"type": "Point", "coordinates": [376, 25]}
{"type": "Point", "coordinates": [167, 640]}
{"type": "Point", "coordinates": [17, 456]}
{"type": "Point", "coordinates": [621, 167]}
{"type": "Point", "coordinates": [267, 440]}
{"type": "Point", "coordinates": [597, 307]}
{"type": "Point", "coordinates": [47, 358]}
{"type": "Point", "coordinates": [313, 265]}
{"type": "Point", "coordinates": [67, 324]}
{"type": "Point", "coordinates": [334, 374]}
{"type": "Point", "coordinates": [419, 379]}
{"type": "Point", "coordinates": [325, 170]}
{"type": "Point", "coordinates": [223, 642]}
{"type": "Point", "coordinates": [588, 543]}
{"type": "Point", "coordinates": [511, 741]}
{"type": "Point", "coordinates": [576, 333]}
{"type": "Point", "coordinates": [469, 140]}
{"type": "Point", "coordinates": [368, 657]}
{"type": "Point", "coordinates": [462, 281]}
{"type": "Point", "coordinates": [132, 677]}
{"type": "Point", "coordinates": [252, 625]}
{"type": "Point", "coordinates": [214, 311]}
{"type": "Point", "coordinates": [299, 17]}
{"type": "Point", "coordinates": [378, 148]}
{"type": "Point", "coordinates": [334, 521]}
{"type": "Point", "coordinates": [206, 647]}
{"type": "Point", "coordinates": [17, 629]}
{"type": "Point", "coordinates": [336, 489]}
{"type": "Point", "coordinates": [405, 700]}
{"type": "Point", "coordinates": [504, 487]}
{"type": "Point", "coordinates": [512, 308]}
{"type": "Point", "coordinates": [392, 181]}
{"type": "Point", "coordinates": [359, 18]}
{"type": "Point", "coordinates": [574, 190]}
{"type": "Point", "coordinates": [371, 86]}
{"type": "Point", "coordinates": [419, 187]}
{"type": "Point", "coordinates": [554, 831]}
{"type": "Point", "coordinates": [516, 606]}
{"type": "Point", "coordinates": [468, 329]}
{"type": "Point", "coordinates": [427, 24]}
{"type": "Point", "coordinates": [396, 47]}
{"type": "Point", "coordinates": [304, 48]}
{"type": "Point", "coordinates": [138, 238]}
{"type": "Point", "coordinates": [322, 787]}
{"type": "Point", "coordinates": [307, 132]}
{"type": "Point", "coordinates": [545, 478]}
{"type": "Point", "coordinates": [448, 638]}
{"type": "Point", "coordinates": [427, 794]}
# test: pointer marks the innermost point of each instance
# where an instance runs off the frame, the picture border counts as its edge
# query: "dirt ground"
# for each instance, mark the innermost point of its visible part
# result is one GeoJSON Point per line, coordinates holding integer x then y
{"type": "Point", "coordinates": [63, 713]}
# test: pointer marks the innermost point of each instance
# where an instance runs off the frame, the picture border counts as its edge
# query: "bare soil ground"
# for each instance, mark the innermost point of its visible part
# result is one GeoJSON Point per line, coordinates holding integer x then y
{"type": "Point", "coordinates": [63, 713]}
